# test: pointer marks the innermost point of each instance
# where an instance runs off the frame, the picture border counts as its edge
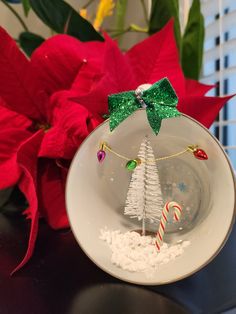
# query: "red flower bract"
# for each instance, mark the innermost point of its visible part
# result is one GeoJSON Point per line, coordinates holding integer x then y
{"type": "Point", "coordinates": [49, 104]}
{"type": "Point", "coordinates": [41, 127]}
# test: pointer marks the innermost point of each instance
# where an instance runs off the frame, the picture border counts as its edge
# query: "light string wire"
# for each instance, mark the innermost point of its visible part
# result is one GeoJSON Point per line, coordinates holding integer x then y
{"type": "Point", "coordinates": [190, 148]}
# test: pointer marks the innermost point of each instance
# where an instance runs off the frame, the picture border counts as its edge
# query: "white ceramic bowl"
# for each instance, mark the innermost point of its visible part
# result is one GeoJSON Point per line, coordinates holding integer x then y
{"type": "Point", "coordinates": [96, 193]}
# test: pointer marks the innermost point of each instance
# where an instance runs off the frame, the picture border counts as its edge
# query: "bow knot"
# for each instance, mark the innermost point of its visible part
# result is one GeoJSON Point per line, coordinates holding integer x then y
{"type": "Point", "coordinates": [159, 100]}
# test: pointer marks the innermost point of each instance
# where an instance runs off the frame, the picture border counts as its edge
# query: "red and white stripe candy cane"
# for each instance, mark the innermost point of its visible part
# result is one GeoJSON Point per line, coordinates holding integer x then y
{"type": "Point", "coordinates": [164, 217]}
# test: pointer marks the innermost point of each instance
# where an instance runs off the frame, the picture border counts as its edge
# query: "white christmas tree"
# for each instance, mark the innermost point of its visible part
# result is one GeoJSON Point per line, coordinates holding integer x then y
{"type": "Point", "coordinates": [144, 198]}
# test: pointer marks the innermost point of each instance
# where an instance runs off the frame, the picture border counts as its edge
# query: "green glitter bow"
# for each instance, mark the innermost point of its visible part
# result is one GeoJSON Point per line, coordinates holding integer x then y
{"type": "Point", "coordinates": [159, 100]}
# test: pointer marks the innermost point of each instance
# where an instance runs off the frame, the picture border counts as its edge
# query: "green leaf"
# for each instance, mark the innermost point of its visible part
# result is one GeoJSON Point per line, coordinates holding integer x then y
{"type": "Point", "coordinates": [29, 42]}
{"type": "Point", "coordinates": [12, 202]}
{"type": "Point", "coordinates": [161, 12]}
{"type": "Point", "coordinates": [192, 43]}
{"type": "Point", "coordinates": [26, 6]}
{"type": "Point", "coordinates": [61, 17]}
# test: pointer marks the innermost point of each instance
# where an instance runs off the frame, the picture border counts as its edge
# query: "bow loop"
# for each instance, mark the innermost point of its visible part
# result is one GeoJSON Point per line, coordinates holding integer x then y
{"type": "Point", "coordinates": [121, 106]}
{"type": "Point", "coordinates": [159, 100]}
{"type": "Point", "coordinates": [161, 93]}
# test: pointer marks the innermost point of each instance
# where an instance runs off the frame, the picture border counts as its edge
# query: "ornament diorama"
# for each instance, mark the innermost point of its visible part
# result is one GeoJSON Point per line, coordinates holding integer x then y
{"type": "Point", "coordinates": [150, 199]}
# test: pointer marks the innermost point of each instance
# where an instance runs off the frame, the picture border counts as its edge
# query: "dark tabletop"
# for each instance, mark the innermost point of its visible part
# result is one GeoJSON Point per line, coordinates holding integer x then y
{"type": "Point", "coordinates": [61, 279]}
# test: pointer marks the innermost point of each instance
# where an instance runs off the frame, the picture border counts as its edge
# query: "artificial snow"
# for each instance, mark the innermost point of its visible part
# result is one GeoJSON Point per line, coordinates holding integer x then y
{"type": "Point", "coordinates": [136, 253]}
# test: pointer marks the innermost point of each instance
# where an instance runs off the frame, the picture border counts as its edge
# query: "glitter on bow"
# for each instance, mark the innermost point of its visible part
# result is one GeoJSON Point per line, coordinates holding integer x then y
{"type": "Point", "coordinates": [160, 100]}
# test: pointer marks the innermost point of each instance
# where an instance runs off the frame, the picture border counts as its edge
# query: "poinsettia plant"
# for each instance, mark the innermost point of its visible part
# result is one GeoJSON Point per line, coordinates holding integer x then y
{"type": "Point", "coordinates": [51, 101]}
{"type": "Point", "coordinates": [61, 17]}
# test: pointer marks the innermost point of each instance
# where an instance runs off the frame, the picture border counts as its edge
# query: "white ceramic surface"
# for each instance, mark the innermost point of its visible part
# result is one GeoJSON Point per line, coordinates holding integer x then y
{"type": "Point", "coordinates": [96, 193]}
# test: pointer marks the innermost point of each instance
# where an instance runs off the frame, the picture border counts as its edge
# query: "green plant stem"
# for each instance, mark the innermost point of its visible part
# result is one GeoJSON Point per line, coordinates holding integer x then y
{"type": "Point", "coordinates": [16, 15]}
{"type": "Point", "coordinates": [131, 28]}
{"type": "Point", "coordinates": [128, 30]}
{"type": "Point", "coordinates": [137, 28]}
{"type": "Point", "coordinates": [120, 33]}
{"type": "Point", "coordinates": [114, 30]}
{"type": "Point", "coordinates": [145, 12]}
{"type": "Point", "coordinates": [87, 4]}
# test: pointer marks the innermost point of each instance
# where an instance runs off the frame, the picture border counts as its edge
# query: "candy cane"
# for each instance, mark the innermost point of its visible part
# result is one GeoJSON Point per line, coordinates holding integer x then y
{"type": "Point", "coordinates": [164, 217]}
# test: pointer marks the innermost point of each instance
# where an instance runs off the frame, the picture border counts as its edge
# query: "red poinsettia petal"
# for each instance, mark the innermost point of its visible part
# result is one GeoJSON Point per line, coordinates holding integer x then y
{"type": "Point", "coordinates": [58, 60]}
{"type": "Point", "coordinates": [9, 166]}
{"type": "Point", "coordinates": [117, 76]}
{"type": "Point", "coordinates": [52, 177]}
{"type": "Point", "coordinates": [203, 109]}
{"type": "Point", "coordinates": [117, 67]}
{"type": "Point", "coordinates": [157, 57]}
{"type": "Point", "coordinates": [27, 159]}
{"type": "Point", "coordinates": [71, 124]}
{"type": "Point", "coordinates": [13, 132]}
{"type": "Point", "coordinates": [18, 84]}
{"type": "Point", "coordinates": [195, 88]}
{"type": "Point", "coordinates": [97, 99]}
{"type": "Point", "coordinates": [87, 77]}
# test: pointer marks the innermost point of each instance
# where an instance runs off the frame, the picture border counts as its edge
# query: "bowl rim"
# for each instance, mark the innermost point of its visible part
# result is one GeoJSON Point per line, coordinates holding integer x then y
{"type": "Point", "coordinates": [187, 274]}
